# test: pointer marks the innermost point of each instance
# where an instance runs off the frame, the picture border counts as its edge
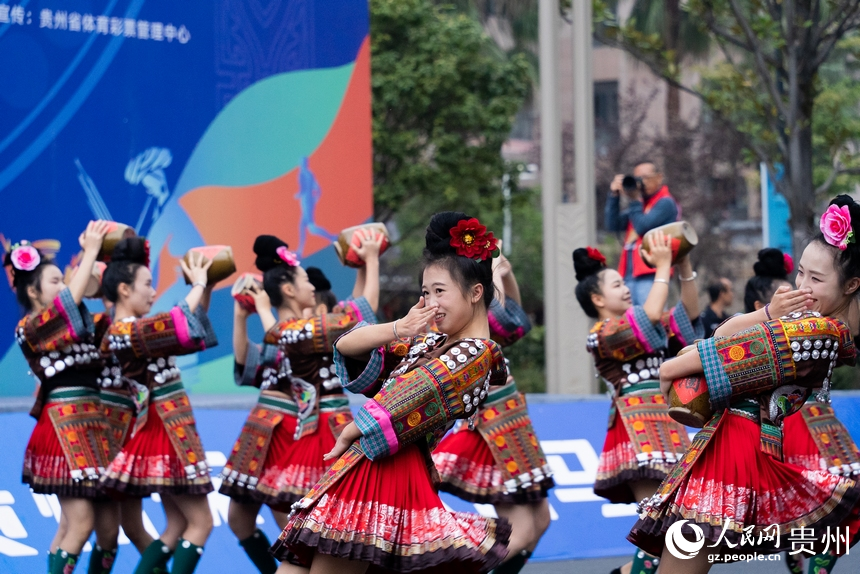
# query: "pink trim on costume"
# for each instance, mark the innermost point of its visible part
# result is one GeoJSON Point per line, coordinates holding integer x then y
{"type": "Point", "coordinates": [355, 310]}
{"type": "Point", "coordinates": [496, 327]}
{"type": "Point", "coordinates": [181, 326]}
{"type": "Point", "coordinates": [637, 331]}
{"type": "Point", "coordinates": [673, 324]}
{"type": "Point", "coordinates": [58, 304]}
{"type": "Point", "coordinates": [383, 418]}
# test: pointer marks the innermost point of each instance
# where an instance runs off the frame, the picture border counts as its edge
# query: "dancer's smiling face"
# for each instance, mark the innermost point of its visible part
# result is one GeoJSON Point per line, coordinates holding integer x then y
{"type": "Point", "coordinates": [818, 270]}
{"type": "Point", "coordinates": [456, 303]}
{"type": "Point", "coordinates": [50, 284]}
{"type": "Point", "coordinates": [614, 297]}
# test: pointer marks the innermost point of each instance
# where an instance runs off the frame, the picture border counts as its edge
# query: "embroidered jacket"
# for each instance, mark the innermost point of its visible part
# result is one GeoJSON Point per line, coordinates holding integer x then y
{"type": "Point", "coordinates": [630, 350]}
{"type": "Point", "coordinates": [146, 348]}
{"type": "Point", "coordinates": [778, 362]}
{"type": "Point", "coordinates": [435, 382]}
{"type": "Point", "coordinates": [61, 347]}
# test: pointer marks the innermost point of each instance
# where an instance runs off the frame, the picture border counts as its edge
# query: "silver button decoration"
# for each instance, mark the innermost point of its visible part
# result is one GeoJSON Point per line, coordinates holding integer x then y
{"type": "Point", "coordinates": [44, 362]}
{"type": "Point", "coordinates": [467, 398]}
{"type": "Point", "coordinates": [796, 357]}
{"type": "Point", "coordinates": [461, 358]}
{"type": "Point", "coordinates": [807, 344]}
{"type": "Point", "coordinates": [324, 373]}
{"type": "Point", "coordinates": [640, 364]}
{"type": "Point", "coordinates": [476, 391]}
{"type": "Point", "coordinates": [50, 372]}
{"type": "Point", "coordinates": [455, 351]}
{"type": "Point", "coordinates": [828, 343]}
{"type": "Point", "coordinates": [468, 407]}
{"type": "Point", "coordinates": [815, 354]}
{"type": "Point", "coordinates": [644, 374]}
{"type": "Point", "coordinates": [451, 365]}
{"type": "Point", "coordinates": [633, 378]}
{"type": "Point", "coordinates": [825, 353]}
{"type": "Point", "coordinates": [445, 358]}
{"type": "Point", "coordinates": [161, 362]}
{"type": "Point", "coordinates": [59, 365]}
{"type": "Point", "coordinates": [805, 355]}
{"type": "Point", "coordinates": [795, 346]}
{"type": "Point", "coordinates": [818, 344]}
{"type": "Point", "coordinates": [473, 351]}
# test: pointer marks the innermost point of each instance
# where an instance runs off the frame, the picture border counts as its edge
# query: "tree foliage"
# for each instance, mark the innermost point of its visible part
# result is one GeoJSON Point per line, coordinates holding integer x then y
{"type": "Point", "coordinates": [443, 103]}
{"type": "Point", "coordinates": [770, 83]}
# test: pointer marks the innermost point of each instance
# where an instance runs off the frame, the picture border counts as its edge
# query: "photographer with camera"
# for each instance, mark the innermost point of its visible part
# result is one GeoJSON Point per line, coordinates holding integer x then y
{"type": "Point", "coordinates": [649, 205]}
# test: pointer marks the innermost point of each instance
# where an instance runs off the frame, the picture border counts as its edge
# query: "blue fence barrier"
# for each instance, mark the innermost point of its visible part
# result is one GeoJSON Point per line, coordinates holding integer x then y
{"type": "Point", "coordinates": [571, 433]}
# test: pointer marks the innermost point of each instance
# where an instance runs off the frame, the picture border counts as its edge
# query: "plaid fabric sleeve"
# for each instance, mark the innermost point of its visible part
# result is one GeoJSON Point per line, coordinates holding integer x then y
{"type": "Point", "coordinates": [378, 438]}
{"type": "Point", "coordinates": [77, 316]}
{"type": "Point", "coordinates": [359, 376]}
{"type": "Point", "coordinates": [651, 336]}
{"type": "Point", "coordinates": [508, 323]}
{"type": "Point", "coordinates": [208, 333]}
{"type": "Point", "coordinates": [683, 328]}
{"type": "Point", "coordinates": [245, 374]}
{"type": "Point", "coordinates": [361, 309]}
{"type": "Point", "coordinates": [719, 386]}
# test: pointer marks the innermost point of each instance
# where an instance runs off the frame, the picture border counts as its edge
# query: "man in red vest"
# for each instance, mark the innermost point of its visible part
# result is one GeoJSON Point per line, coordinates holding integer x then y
{"type": "Point", "coordinates": [650, 205]}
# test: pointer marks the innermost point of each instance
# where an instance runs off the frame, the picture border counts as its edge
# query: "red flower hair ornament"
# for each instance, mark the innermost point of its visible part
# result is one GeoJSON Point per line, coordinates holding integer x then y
{"type": "Point", "coordinates": [471, 239]}
{"type": "Point", "coordinates": [596, 255]}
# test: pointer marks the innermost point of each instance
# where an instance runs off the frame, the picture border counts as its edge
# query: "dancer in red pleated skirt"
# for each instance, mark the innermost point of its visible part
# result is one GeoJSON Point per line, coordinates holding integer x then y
{"type": "Point", "coordinates": [162, 452]}
{"type": "Point", "coordinates": [376, 507]}
{"type": "Point", "coordinates": [70, 446]}
{"type": "Point", "coordinates": [499, 460]}
{"type": "Point", "coordinates": [813, 438]}
{"type": "Point", "coordinates": [278, 456]}
{"type": "Point", "coordinates": [629, 343]}
{"type": "Point", "coordinates": [733, 486]}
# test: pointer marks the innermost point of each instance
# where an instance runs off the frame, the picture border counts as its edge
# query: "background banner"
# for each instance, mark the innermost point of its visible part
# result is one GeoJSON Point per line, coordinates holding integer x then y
{"type": "Point", "coordinates": [571, 433]}
{"type": "Point", "coordinates": [196, 123]}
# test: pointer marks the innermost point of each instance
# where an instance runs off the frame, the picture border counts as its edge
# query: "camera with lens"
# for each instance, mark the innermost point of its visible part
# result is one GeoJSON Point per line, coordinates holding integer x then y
{"type": "Point", "coordinates": [632, 184]}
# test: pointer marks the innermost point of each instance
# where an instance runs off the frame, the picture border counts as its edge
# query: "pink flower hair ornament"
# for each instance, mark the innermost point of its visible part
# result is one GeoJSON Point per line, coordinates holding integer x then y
{"type": "Point", "coordinates": [836, 226]}
{"type": "Point", "coordinates": [287, 256]}
{"type": "Point", "coordinates": [24, 256]}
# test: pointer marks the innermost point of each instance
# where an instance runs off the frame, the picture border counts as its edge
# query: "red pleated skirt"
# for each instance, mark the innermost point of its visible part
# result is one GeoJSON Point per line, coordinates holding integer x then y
{"type": "Point", "coordinates": [291, 466]}
{"type": "Point", "coordinates": [148, 463]}
{"type": "Point", "coordinates": [469, 470]}
{"type": "Point", "coordinates": [618, 468]}
{"type": "Point", "coordinates": [388, 513]}
{"type": "Point", "coordinates": [46, 468]}
{"type": "Point", "coordinates": [733, 480]}
{"type": "Point", "coordinates": [797, 445]}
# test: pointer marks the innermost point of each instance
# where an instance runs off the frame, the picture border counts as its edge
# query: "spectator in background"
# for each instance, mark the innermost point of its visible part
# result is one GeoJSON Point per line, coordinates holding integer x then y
{"type": "Point", "coordinates": [650, 205]}
{"type": "Point", "coordinates": [722, 297]}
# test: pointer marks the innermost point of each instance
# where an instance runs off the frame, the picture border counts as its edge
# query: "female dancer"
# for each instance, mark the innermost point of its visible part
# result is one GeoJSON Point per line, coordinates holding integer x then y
{"type": "Point", "coordinates": [733, 486]}
{"type": "Point", "coordinates": [377, 504]}
{"type": "Point", "coordinates": [814, 438]}
{"type": "Point", "coordinates": [164, 453]}
{"type": "Point", "coordinates": [279, 454]}
{"type": "Point", "coordinates": [629, 344]}
{"type": "Point", "coordinates": [69, 446]}
{"type": "Point", "coordinates": [500, 461]}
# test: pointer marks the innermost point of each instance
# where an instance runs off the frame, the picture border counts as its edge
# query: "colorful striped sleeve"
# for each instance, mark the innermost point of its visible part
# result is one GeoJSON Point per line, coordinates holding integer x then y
{"type": "Point", "coordinates": [378, 437]}
{"type": "Point", "coordinates": [257, 357]}
{"type": "Point", "coordinates": [509, 322]}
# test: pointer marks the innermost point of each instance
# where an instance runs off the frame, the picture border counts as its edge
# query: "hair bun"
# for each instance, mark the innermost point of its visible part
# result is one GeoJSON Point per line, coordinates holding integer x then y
{"type": "Point", "coordinates": [131, 250]}
{"type": "Point", "coordinates": [318, 279]}
{"type": "Point", "coordinates": [438, 236]}
{"type": "Point", "coordinates": [584, 265]}
{"type": "Point", "coordinates": [771, 263]}
{"type": "Point", "coordinates": [266, 247]}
